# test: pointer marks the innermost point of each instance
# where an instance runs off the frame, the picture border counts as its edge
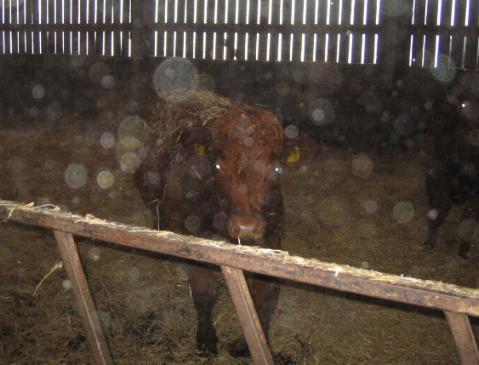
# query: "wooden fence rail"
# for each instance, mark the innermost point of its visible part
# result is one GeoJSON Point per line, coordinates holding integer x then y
{"type": "Point", "coordinates": [456, 302]}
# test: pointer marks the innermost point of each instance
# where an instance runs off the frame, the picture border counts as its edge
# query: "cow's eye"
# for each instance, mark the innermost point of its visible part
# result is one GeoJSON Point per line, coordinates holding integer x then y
{"type": "Point", "coordinates": [218, 165]}
{"type": "Point", "coordinates": [278, 170]}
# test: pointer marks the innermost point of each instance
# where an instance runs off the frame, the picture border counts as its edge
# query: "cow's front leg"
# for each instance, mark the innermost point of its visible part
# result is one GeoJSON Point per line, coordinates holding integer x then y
{"type": "Point", "coordinates": [204, 290]}
{"type": "Point", "coordinates": [467, 226]}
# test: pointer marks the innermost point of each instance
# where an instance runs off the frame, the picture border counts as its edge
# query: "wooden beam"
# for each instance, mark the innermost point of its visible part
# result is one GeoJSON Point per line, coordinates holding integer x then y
{"type": "Point", "coordinates": [270, 28]}
{"type": "Point", "coordinates": [248, 317]}
{"type": "Point", "coordinates": [463, 337]}
{"type": "Point", "coordinates": [443, 30]}
{"type": "Point", "coordinates": [125, 27]}
{"type": "Point", "coordinates": [275, 263]}
{"type": "Point", "coordinates": [81, 293]}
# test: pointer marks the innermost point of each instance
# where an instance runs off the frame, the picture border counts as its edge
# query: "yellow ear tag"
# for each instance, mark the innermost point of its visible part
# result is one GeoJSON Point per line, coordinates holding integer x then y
{"type": "Point", "coordinates": [200, 149]}
{"type": "Point", "coordinates": [294, 156]}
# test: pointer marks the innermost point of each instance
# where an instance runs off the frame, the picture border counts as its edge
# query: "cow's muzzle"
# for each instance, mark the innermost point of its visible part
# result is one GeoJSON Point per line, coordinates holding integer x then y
{"type": "Point", "coordinates": [246, 228]}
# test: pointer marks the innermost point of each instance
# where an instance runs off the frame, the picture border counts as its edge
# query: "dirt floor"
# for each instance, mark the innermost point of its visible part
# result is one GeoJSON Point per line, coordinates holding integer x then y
{"type": "Point", "coordinates": [364, 211]}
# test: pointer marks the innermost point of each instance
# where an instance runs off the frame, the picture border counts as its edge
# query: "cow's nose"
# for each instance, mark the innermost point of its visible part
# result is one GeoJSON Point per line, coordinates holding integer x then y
{"type": "Point", "coordinates": [246, 227]}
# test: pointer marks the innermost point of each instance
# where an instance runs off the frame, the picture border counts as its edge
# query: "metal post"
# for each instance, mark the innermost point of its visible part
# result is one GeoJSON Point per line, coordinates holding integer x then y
{"type": "Point", "coordinates": [249, 320]}
{"type": "Point", "coordinates": [81, 293]}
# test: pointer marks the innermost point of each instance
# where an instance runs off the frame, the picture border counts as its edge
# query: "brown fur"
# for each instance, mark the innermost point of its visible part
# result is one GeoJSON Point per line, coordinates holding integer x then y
{"type": "Point", "coordinates": [235, 193]}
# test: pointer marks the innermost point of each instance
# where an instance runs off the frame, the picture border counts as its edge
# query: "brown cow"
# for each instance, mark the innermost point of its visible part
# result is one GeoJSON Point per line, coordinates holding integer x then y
{"type": "Point", "coordinates": [220, 177]}
{"type": "Point", "coordinates": [451, 175]}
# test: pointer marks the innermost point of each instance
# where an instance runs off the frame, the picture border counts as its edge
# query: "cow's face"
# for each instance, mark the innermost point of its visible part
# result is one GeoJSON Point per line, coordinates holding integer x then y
{"type": "Point", "coordinates": [247, 145]}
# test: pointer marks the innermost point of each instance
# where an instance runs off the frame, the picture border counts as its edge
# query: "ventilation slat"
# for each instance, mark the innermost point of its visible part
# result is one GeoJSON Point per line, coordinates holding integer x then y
{"type": "Point", "coordinates": [443, 32]}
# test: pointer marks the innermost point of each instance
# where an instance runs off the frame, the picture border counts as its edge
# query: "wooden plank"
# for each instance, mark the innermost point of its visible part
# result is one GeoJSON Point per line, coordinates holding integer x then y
{"type": "Point", "coordinates": [185, 41]}
{"type": "Point", "coordinates": [446, 12]}
{"type": "Point", "coordinates": [180, 4]}
{"type": "Point", "coordinates": [115, 35]}
{"type": "Point", "coordinates": [248, 47]}
{"type": "Point", "coordinates": [317, 45]}
{"type": "Point", "coordinates": [471, 45]}
{"type": "Point", "coordinates": [119, 38]}
{"type": "Point", "coordinates": [248, 317]}
{"type": "Point", "coordinates": [327, 47]}
{"type": "Point", "coordinates": [83, 299]}
{"type": "Point", "coordinates": [14, 40]}
{"type": "Point", "coordinates": [219, 5]}
{"type": "Point", "coordinates": [287, 28]}
{"type": "Point", "coordinates": [448, 51]}
{"type": "Point", "coordinates": [89, 9]}
{"type": "Point", "coordinates": [105, 42]}
{"type": "Point", "coordinates": [356, 11]}
{"type": "Point", "coordinates": [206, 42]}
{"type": "Point", "coordinates": [168, 39]}
{"type": "Point", "coordinates": [2, 12]}
{"type": "Point", "coordinates": [253, 16]}
{"type": "Point", "coordinates": [106, 18]}
{"type": "Point", "coordinates": [281, 54]}
{"type": "Point", "coordinates": [252, 28]}
{"type": "Point", "coordinates": [124, 19]}
{"type": "Point", "coordinates": [340, 49]}
{"type": "Point", "coordinates": [431, 40]}
{"type": "Point", "coordinates": [363, 52]}
{"type": "Point", "coordinates": [2, 43]}
{"type": "Point", "coordinates": [463, 337]}
{"type": "Point", "coordinates": [72, 27]}
{"type": "Point", "coordinates": [354, 48]}
{"type": "Point", "coordinates": [271, 37]}
{"type": "Point", "coordinates": [89, 43]}
{"type": "Point", "coordinates": [8, 42]}
{"type": "Point", "coordinates": [273, 263]}
{"type": "Point", "coordinates": [48, 18]}
{"type": "Point", "coordinates": [470, 54]}
{"type": "Point", "coordinates": [308, 47]}
{"type": "Point", "coordinates": [260, 46]}
{"type": "Point", "coordinates": [360, 41]}
{"type": "Point", "coordinates": [35, 20]}
{"type": "Point", "coordinates": [76, 43]}
{"type": "Point", "coordinates": [161, 36]}
{"type": "Point", "coordinates": [240, 51]}
{"type": "Point", "coordinates": [322, 11]}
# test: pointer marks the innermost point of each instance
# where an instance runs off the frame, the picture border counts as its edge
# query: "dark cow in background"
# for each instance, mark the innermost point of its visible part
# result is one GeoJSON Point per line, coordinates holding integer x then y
{"type": "Point", "coordinates": [218, 177]}
{"type": "Point", "coordinates": [452, 171]}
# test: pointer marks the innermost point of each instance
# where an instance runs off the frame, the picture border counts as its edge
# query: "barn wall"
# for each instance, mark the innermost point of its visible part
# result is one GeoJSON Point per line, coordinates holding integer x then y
{"type": "Point", "coordinates": [365, 108]}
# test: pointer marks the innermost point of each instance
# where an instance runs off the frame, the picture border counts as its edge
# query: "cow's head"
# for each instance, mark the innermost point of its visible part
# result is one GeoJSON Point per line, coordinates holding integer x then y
{"type": "Point", "coordinates": [247, 143]}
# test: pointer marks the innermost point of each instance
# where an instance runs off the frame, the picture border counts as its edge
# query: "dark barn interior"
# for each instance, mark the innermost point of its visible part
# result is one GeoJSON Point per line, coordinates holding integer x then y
{"type": "Point", "coordinates": [377, 98]}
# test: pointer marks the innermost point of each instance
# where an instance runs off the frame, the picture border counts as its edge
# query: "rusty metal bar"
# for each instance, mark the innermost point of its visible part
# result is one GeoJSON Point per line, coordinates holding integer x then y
{"type": "Point", "coordinates": [463, 337]}
{"type": "Point", "coordinates": [81, 293]}
{"type": "Point", "coordinates": [430, 294]}
{"type": "Point", "coordinates": [248, 317]}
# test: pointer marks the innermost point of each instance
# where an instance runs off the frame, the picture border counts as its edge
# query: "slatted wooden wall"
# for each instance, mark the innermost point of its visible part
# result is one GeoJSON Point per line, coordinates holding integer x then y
{"type": "Point", "coordinates": [444, 33]}
{"type": "Point", "coordinates": [342, 31]}
{"type": "Point", "coordinates": [71, 27]}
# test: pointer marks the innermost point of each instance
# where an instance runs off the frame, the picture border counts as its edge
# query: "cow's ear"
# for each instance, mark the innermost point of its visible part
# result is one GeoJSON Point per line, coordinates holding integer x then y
{"type": "Point", "coordinates": [290, 154]}
{"type": "Point", "coordinates": [198, 140]}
